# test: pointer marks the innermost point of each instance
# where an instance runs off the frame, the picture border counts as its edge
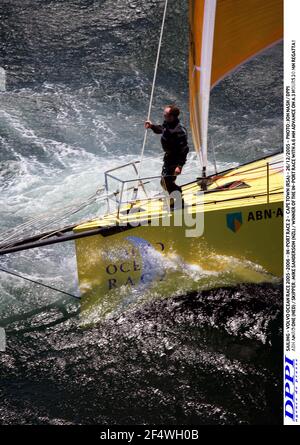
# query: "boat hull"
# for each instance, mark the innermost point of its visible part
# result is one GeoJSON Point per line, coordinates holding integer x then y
{"type": "Point", "coordinates": [238, 244]}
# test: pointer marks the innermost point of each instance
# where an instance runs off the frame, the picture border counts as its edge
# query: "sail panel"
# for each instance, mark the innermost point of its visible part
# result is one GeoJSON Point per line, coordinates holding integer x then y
{"type": "Point", "coordinates": [223, 35]}
{"type": "Point", "coordinates": [243, 28]}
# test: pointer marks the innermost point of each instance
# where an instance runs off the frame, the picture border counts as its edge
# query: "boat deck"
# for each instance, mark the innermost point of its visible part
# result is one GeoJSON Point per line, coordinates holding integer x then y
{"type": "Point", "coordinates": [260, 180]}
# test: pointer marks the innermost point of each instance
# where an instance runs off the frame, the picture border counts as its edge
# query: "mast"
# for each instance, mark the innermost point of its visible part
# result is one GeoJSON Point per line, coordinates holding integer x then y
{"type": "Point", "coordinates": [202, 22]}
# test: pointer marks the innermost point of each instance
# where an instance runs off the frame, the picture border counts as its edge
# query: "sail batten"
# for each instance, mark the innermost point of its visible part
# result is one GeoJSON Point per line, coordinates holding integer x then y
{"type": "Point", "coordinates": [225, 34]}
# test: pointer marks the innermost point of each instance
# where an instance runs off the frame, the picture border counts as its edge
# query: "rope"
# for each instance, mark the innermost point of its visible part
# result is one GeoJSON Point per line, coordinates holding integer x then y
{"type": "Point", "coordinates": [45, 220]}
{"type": "Point", "coordinates": [40, 284]}
{"type": "Point", "coordinates": [214, 154]}
{"type": "Point", "coordinates": [153, 85]}
{"type": "Point", "coordinates": [253, 170]}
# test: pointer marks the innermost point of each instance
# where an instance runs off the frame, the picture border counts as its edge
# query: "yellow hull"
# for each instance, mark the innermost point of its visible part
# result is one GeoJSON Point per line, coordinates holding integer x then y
{"type": "Point", "coordinates": [242, 240]}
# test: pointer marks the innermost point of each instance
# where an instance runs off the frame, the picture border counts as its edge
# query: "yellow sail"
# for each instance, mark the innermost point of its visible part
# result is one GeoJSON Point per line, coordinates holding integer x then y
{"type": "Point", "coordinates": [223, 35]}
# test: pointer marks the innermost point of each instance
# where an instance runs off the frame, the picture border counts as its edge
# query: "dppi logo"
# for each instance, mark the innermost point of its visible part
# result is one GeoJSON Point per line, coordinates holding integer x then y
{"type": "Point", "coordinates": [290, 391]}
{"type": "Point", "coordinates": [234, 221]}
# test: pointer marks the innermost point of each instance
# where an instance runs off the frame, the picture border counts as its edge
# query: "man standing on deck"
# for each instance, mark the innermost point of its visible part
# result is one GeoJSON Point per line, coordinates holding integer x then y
{"type": "Point", "coordinates": [174, 144]}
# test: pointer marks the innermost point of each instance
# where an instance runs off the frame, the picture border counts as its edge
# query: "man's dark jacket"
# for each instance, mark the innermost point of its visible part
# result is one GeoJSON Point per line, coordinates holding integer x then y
{"type": "Point", "coordinates": [173, 141]}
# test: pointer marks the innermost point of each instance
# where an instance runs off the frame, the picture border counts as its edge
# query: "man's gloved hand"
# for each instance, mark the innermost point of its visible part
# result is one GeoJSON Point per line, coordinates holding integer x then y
{"type": "Point", "coordinates": [178, 170]}
{"type": "Point", "coordinates": [148, 124]}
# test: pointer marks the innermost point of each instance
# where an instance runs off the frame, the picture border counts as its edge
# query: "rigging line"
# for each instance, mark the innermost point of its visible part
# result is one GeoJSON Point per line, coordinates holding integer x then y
{"type": "Point", "coordinates": [153, 85]}
{"type": "Point", "coordinates": [42, 216]}
{"type": "Point", "coordinates": [233, 172]}
{"type": "Point", "coordinates": [214, 154]}
{"type": "Point", "coordinates": [72, 210]}
{"type": "Point", "coordinates": [64, 216]}
{"type": "Point", "coordinates": [39, 283]}
{"type": "Point", "coordinates": [47, 218]}
{"type": "Point", "coordinates": [14, 239]}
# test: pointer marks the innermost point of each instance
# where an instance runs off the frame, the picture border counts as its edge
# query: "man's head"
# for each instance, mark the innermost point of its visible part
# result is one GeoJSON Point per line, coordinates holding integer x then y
{"type": "Point", "coordinates": [171, 113]}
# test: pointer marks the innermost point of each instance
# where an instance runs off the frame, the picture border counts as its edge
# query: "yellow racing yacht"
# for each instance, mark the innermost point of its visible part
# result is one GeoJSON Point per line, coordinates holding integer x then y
{"type": "Point", "coordinates": [231, 226]}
